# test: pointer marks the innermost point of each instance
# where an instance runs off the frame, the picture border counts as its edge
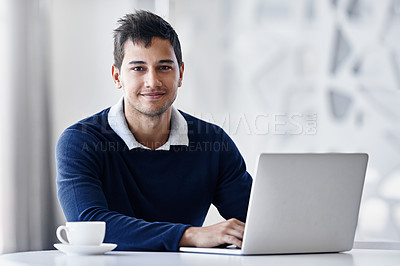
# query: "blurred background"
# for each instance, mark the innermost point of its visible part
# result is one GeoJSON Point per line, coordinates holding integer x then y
{"type": "Point", "coordinates": [277, 75]}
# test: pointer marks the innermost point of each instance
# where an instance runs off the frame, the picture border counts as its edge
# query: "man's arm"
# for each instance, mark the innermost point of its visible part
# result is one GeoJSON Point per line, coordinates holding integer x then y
{"type": "Point", "coordinates": [80, 192]}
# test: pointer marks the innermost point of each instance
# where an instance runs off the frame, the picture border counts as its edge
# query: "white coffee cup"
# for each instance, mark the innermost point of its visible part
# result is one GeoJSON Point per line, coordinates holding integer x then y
{"type": "Point", "coordinates": [82, 233]}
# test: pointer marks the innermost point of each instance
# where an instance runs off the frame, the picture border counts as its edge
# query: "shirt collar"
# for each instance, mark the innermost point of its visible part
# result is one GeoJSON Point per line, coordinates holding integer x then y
{"type": "Point", "coordinates": [178, 134]}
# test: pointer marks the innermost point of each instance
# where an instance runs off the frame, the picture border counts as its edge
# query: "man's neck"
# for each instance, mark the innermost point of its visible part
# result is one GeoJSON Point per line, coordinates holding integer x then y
{"type": "Point", "coordinates": [152, 132]}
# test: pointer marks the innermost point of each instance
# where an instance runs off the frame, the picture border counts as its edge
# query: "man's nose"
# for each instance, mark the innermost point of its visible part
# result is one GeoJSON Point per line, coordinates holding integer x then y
{"type": "Point", "coordinates": [152, 79]}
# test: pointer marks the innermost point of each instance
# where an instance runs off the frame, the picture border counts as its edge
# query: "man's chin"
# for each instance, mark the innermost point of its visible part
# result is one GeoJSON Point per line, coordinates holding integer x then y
{"type": "Point", "coordinates": [154, 112]}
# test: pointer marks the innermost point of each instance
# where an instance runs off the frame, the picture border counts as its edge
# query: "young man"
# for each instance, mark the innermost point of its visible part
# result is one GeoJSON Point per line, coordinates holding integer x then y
{"type": "Point", "coordinates": [146, 169]}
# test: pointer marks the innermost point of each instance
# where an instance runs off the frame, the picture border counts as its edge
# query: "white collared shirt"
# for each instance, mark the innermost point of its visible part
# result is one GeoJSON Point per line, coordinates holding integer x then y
{"type": "Point", "coordinates": [178, 134]}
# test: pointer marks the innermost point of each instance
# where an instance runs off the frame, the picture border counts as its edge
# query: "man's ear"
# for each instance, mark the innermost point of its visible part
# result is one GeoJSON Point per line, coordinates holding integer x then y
{"type": "Point", "coordinates": [116, 76]}
{"type": "Point", "coordinates": [181, 69]}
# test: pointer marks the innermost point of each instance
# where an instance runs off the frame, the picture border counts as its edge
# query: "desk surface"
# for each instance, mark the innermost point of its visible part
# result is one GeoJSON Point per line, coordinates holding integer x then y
{"type": "Point", "coordinates": [358, 257]}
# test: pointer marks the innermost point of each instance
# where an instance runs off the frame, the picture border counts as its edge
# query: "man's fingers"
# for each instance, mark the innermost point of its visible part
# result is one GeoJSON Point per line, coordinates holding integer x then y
{"type": "Point", "coordinates": [238, 233]}
{"type": "Point", "coordinates": [236, 228]}
{"type": "Point", "coordinates": [234, 232]}
{"type": "Point", "coordinates": [229, 239]}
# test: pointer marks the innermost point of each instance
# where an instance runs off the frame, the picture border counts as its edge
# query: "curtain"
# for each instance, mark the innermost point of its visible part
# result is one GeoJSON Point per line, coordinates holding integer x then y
{"type": "Point", "coordinates": [27, 201]}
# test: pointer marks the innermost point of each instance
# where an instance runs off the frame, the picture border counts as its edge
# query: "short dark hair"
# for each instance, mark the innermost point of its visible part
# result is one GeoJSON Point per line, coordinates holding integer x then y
{"type": "Point", "coordinates": [141, 27]}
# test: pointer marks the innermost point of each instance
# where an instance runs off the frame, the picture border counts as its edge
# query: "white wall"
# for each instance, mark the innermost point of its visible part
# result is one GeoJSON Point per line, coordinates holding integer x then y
{"type": "Point", "coordinates": [6, 131]}
{"type": "Point", "coordinates": [82, 55]}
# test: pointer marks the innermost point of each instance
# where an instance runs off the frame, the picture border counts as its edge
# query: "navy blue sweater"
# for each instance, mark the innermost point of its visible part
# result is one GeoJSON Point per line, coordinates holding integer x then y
{"type": "Point", "coordinates": [148, 198]}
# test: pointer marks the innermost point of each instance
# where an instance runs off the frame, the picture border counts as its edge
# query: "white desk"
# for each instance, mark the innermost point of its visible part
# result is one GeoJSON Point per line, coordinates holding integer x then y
{"type": "Point", "coordinates": [358, 257]}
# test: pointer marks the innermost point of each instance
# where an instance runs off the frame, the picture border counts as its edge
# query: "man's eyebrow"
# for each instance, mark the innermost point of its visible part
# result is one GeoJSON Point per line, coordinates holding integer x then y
{"type": "Point", "coordinates": [137, 63]}
{"type": "Point", "coordinates": [166, 61]}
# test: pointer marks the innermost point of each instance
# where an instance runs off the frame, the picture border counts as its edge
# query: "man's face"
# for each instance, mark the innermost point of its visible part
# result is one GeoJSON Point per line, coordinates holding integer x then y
{"type": "Point", "coordinates": [149, 77]}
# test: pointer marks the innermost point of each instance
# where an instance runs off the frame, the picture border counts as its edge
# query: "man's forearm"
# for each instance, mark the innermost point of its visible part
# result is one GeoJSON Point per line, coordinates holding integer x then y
{"type": "Point", "coordinates": [188, 237]}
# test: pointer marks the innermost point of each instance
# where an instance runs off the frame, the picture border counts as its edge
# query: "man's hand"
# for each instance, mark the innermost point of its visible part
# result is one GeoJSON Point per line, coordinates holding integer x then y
{"type": "Point", "coordinates": [229, 232]}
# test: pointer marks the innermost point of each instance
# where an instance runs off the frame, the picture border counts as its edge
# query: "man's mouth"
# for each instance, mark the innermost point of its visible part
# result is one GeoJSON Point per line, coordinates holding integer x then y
{"type": "Point", "coordinates": [153, 95]}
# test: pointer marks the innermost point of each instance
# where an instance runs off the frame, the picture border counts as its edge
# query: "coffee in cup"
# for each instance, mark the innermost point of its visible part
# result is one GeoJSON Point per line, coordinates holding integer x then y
{"type": "Point", "coordinates": [89, 233]}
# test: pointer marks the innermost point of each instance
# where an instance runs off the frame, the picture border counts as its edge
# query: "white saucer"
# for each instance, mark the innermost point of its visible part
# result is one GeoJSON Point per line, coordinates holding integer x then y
{"type": "Point", "coordinates": [85, 250]}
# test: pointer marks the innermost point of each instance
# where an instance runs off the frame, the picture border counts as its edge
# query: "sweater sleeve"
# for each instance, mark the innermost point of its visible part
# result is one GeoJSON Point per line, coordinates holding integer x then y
{"type": "Point", "coordinates": [80, 193]}
{"type": "Point", "coordinates": [234, 182]}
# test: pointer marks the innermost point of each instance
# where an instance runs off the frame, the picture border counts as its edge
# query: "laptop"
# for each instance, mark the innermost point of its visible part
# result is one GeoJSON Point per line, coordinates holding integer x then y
{"type": "Point", "coordinates": [302, 203]}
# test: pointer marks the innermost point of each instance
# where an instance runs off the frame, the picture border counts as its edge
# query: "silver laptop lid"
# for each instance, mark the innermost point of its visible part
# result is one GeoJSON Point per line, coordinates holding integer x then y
{"type": "Point", "coordinates": [304, 203]}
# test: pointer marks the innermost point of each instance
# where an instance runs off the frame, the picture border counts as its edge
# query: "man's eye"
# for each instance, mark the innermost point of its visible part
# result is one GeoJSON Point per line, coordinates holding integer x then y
{"type": "Point", "coordinates": [137, 68]}
{"type": "Point", "coordinates": [165, 67]}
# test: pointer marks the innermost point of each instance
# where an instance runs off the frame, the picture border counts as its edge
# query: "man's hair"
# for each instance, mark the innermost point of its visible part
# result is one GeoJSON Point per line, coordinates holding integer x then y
{"type": "Point", "coordinates": [140, 27]}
